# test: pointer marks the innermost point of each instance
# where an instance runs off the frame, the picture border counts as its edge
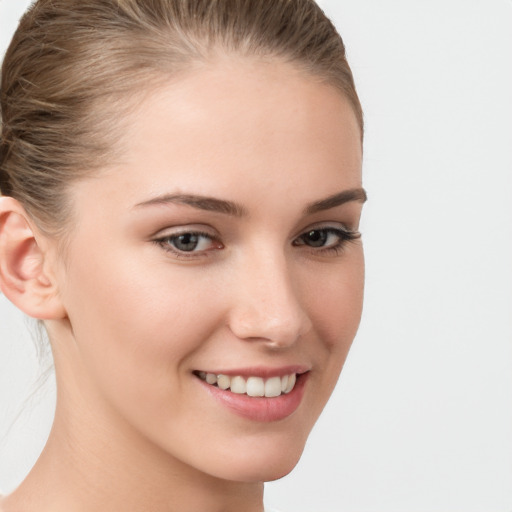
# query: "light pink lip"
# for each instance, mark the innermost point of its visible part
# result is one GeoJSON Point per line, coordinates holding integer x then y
{"type": "Point", "coordinates": [264, 372]}
{"type": "Point", "coordinates": [260, 409]}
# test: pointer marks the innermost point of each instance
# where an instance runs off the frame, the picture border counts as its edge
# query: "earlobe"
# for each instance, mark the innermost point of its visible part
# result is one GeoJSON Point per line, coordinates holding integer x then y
{"type": "Point", "coordinates": [23, 279]}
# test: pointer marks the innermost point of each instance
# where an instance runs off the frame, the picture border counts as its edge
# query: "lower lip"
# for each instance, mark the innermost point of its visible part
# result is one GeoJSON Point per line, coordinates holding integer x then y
{"type": "Point", "coordinates": [261, 409]}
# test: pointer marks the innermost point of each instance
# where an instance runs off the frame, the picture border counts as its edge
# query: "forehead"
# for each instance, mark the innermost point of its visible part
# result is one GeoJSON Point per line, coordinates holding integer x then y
{"type": "Point", "coordinates": [239, 125]}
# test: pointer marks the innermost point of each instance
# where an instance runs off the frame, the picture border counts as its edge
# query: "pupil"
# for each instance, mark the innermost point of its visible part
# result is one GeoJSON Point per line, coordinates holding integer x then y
{"type": "Point", "coordinates": [186, 242]}
{"type": "Point", "coordinates": [316, 238]}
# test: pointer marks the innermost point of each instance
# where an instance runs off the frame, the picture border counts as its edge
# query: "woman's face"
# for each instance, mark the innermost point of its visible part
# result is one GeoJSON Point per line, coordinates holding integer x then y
{"type": "Point", "coordinates": [223, 242]}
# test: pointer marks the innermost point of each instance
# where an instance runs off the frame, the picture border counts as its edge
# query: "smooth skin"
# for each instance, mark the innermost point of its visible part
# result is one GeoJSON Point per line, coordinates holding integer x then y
{"type": "Point", "coordinates": [133, 311]}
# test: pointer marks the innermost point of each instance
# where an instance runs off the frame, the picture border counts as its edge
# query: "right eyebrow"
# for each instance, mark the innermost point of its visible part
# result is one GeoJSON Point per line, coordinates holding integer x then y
{"type": "Point", "coordinates": [207, 203]}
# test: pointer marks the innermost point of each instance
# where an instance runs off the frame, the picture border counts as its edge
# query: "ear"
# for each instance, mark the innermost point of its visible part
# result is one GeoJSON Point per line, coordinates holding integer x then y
{"type": "Point", "coordinates": [24, 278]}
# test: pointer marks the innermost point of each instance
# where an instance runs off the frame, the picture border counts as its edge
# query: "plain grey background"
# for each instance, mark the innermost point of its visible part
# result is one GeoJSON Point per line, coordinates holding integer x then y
{"type": "Point", "coordinates": [422, 417]}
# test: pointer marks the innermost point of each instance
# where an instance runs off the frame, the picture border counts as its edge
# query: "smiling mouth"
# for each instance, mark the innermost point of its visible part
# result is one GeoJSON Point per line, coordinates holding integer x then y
{"type": "Point", "coordinates": [251, 386]}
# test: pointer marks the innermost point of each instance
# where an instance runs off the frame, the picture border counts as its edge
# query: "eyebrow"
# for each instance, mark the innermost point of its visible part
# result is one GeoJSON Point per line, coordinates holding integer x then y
{"type": "Point", "coordinates": [213, 204]}
{"type": "Point", "coordinates": [210, 204]}
{"type": "Point", "coordinates": [354, 194]}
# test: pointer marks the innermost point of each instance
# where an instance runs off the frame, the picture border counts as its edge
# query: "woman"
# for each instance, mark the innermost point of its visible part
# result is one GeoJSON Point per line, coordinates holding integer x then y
{"type": "Point", "coordinates": [181, 197]}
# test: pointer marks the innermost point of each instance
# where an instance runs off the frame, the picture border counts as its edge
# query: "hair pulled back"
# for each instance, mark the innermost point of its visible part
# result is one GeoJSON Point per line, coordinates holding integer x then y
{"type": "Point", "coordinates": [73, 66]}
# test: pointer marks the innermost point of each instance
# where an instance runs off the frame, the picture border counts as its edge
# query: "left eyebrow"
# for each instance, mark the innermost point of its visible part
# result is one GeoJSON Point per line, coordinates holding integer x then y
{"type": "Point", "coordinates": [354, 194]}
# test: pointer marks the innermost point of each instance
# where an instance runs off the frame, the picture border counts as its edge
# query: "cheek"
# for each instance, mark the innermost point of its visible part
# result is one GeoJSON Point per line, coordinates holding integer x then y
{"type": "Point", "coordinates": [132, 302]}
{"type": "Point", "coordinates": [135, 325]}
{"type": "Point", "coordinates": [336, 300]}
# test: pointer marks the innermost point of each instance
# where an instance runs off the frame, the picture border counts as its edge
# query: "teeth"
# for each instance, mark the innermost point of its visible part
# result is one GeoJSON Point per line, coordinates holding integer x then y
{"type": "Point", "coordinates": [238, 385]}
{"type": "Point", "coordinates": [211, 378]}
{"type": "Point", "coordinates": [223, 381]}
{"type": "Point", "coordinates": [284, 383]}
{"type": "Point", "coordinates": [273, 387]}
{"type": "Point", "coordinates": [253, 386]}
{"type": "Point", "coordinates": [291, 383]}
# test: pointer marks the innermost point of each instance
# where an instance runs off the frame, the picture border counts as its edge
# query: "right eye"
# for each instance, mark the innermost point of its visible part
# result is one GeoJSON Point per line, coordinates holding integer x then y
{"type": "Point", "coordinates": [188, 242]}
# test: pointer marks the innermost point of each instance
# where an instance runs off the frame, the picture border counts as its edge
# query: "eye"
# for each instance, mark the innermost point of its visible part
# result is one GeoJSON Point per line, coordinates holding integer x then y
{"type": "Point", "coordinates": [319, 238]}
{"type": "Point", "coordinates": [329, 238]}
{"type": "Point", "coordinates": [188, 242]}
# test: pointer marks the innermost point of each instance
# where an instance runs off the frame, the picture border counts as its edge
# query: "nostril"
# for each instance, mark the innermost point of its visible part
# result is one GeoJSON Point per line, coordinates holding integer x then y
{"type": "Point", "coordinates": [278, 331]}
{"type": "Point", "coordinates": [269, 306]}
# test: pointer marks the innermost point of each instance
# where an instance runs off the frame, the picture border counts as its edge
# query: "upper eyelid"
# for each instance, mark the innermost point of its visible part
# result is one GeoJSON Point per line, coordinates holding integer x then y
{"type": "Point", "coordinates": [347, 233]}
{"type": "Point", "coordinates": [209, 231]}
{"type": "Point", "coordinates": [337, 226]}
{"type": "Point", "coordinates": [180, 230]}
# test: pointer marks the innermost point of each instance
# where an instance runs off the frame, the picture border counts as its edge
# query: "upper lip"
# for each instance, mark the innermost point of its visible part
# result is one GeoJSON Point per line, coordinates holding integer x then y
{"type": "Point", "coordinates": [260, 371]}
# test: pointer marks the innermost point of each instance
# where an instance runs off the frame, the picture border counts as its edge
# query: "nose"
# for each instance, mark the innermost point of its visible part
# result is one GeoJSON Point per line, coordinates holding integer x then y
{"type": "Point", "coordinates": [267, 305]}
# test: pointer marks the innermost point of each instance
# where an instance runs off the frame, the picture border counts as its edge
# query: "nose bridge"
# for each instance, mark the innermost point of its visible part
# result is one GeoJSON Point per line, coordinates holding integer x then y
{"type": "Point", "coordinates": [268, 306]}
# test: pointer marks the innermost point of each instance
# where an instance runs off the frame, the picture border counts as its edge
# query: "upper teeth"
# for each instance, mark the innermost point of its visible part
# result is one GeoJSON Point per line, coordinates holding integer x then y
{"type": "Point", "coordinates": [252, 386]}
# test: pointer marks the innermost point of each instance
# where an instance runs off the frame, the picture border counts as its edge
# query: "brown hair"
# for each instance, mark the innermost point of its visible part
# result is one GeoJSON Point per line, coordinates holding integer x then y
{"type": "Point", "coordinates": [73, 66]}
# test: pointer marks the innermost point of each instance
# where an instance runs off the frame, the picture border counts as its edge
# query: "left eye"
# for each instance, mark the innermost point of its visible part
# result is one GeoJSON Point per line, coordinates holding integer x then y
{"type": "Point", "coordinates": [188, 242]}
{"type": "Point", "coordinates": [325, 237]}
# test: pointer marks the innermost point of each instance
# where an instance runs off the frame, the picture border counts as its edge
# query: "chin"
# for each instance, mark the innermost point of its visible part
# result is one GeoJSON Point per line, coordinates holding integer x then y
{"type": "Point", "coordinates": [279, 467]}
{"type": "Point", "coordinates": [265, 464]}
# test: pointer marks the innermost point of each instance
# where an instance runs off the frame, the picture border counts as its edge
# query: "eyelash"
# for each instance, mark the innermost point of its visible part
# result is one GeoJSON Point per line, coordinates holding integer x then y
{"type": "Point", "coordinates": [166, 241]}
{"type": "Point", "coordinates": [344, 235]}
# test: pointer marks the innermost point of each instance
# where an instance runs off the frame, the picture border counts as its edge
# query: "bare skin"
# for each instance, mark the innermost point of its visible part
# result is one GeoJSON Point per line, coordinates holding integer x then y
{"type": "Point", "coordinates": [133, 316]}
